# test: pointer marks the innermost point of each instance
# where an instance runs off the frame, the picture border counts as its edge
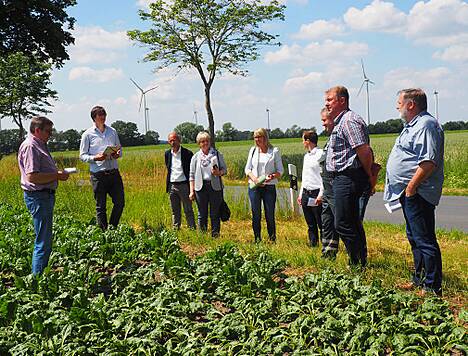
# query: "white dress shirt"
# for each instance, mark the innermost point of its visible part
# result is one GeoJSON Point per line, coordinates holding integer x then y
{"type": "Point", "coordinates": [311, 178]}
{"type": "Point", "coordinates": [93, 142]}
{"type": "Point", "coordinates": [177, 172]}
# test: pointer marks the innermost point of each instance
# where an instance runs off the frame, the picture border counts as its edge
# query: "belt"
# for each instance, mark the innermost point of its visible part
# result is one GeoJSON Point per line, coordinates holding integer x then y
{"type": "Point", "coordinates": [105, 173]}
{"type": "Point", "coordinates": [179, 183]}
{"type": "Point", "coordinates": [348, 172]}
{"type": "Point", "coordinates": [309, 191]}
{"type": "Point", "coordinates": [45, 190]}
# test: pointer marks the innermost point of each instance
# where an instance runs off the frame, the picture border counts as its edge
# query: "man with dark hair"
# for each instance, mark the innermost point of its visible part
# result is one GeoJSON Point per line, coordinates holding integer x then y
{"type": "Point", "coordinates": [349, 160]}
{"type": "Point", "coordinates": [39, 180]}
{"type": "Point", "coordinates": [177, 161]}
{"type": "Point", "coordinates": [100, 147]}
{"type": "Point", "coordinates": [415, 174]}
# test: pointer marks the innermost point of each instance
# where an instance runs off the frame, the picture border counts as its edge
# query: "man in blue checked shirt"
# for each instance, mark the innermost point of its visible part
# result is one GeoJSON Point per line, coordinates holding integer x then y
{"type": "Point", "coordinates": [349, 161]}
{"type": "Point", "coordinates": [105, 175]}
{"type": "Point", "coordinates": [415, 174]}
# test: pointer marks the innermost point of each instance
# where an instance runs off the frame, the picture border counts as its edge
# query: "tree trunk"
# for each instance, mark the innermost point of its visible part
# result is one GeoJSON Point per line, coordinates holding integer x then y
{"type": "Point", "coordinates": [209, 113]}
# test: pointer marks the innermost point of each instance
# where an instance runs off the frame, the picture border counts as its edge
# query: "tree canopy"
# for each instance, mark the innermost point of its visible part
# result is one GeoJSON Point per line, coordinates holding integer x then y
{"type": "Point", "coordinates": [24, 88]}
{"type": "Point", "coordinates": [211, 36]}
{"type": "Point", "coordinates": [37, 28]}
{"type": "Point", "coordinates": [188, 131]}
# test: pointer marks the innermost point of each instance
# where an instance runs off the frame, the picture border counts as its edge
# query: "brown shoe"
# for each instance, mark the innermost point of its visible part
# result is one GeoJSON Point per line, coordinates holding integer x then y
{"type": "Point", "coordinates": [407, 286]}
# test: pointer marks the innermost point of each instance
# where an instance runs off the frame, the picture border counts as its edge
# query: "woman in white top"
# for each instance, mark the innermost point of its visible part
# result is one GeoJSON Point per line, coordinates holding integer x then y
{"type": "Point", "coordinates": [263, 168]}
{"type": "Point", "coordinates": [206, 168]}
{"type": "Point", "coordinates": [310, 195]}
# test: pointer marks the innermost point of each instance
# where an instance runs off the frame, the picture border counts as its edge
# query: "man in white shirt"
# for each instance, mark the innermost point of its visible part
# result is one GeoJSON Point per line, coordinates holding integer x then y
{"type": "Point", "coordinates": [177, 161]}
{"type": "Point", "coordinates": [103, 166]}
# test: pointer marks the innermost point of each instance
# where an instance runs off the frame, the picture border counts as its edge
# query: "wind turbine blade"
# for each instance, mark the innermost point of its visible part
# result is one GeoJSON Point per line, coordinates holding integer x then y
{"type": "Point", "coordinates": [360, 89]}
{"type": "Point", "coordinates": [370, 81]}
{"type": "Point", "coordinates": [141, 100]}
{"type": "Point", "coordinates": [136, 85]}
{"type": "Point", "coordinates": [363, 71]}
{"type": "Point", "coordinates": [151, 89]}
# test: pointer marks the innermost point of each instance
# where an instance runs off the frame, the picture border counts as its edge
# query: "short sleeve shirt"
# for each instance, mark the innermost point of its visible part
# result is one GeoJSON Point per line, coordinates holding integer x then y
{"type": "Point", "coordinates": [350, 132]}
{"type": "Point", "coordinates": [34, 157]}
{"type": "Point", "coordinates": [422, 139]}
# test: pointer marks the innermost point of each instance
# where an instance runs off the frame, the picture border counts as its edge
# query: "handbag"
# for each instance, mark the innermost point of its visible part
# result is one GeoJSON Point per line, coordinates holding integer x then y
{"type": "Point", "coordinates": [224, 211]}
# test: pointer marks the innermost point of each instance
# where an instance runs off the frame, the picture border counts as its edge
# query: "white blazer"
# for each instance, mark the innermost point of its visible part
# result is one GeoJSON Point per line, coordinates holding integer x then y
{"type": "Point", "coordinates": [274, 163]}
{"type": "Point", "coordinates": [196, 173]}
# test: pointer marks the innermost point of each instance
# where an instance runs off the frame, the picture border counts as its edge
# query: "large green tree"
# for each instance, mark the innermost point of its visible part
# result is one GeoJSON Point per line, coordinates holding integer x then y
{"type": "Point", "coordinates": [128, 133]}
{"type": "Point", "coordinates": [38, 28]}
{"type": "Point", "coordinates": [24, 88]}
{"type": "Point", "coordinates": [212, 36]}
{"type": "Point", "coordinates": [188, 131]}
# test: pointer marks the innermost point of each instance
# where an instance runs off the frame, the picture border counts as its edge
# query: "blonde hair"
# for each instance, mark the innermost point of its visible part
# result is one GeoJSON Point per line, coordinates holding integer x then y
{"type": "Point", "coordinates": [203, 135]}
{"type": "Point", "coordinates": [263, 133]}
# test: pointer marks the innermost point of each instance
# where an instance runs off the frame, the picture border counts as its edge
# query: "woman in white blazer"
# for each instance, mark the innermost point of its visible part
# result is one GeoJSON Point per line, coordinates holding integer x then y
{"type": "Point", "coordinates": [264, 167]}
{"type": "Point", "coordinates": [206, 168]}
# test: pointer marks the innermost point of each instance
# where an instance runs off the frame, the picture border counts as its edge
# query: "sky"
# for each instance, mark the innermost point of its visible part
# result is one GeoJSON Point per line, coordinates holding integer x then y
{"type": "Point", "coordinates": [401, 43]}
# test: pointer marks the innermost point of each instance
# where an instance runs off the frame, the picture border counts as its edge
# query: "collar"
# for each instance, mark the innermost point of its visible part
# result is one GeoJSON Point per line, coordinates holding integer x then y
{"type": "Point", "coordinates": [97, 129]}
{"type": "Point", "coordinates": [313, 151]}
{"type": "Point", "coordinates": [38, 141]}
{"type": "Point", "coordinates": [415, 119]}
{"type": "Point", "coordinates": [339, 117]}
{"type": "Point", "coordinates": [178, 151]}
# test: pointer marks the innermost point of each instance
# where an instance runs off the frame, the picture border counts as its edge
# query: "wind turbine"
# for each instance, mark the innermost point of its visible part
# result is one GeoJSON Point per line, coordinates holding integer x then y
{"type": "Point", "coordinates": [366, 81]}
{"type": "Point", "coordinates": [143, 99]}
{"type": "Point", "coordinates": [436, 94]}
{"type": "Point", "coordinates": [195, 114]}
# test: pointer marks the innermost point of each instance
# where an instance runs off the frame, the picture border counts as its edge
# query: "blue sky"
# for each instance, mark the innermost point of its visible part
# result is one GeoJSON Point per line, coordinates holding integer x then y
{"type": "Point", "coordinates": [403, 44]}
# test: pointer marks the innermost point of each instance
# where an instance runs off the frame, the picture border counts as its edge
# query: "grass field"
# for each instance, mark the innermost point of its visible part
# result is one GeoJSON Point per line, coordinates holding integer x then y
{"type": "Point", "coordinates": [147, 205]}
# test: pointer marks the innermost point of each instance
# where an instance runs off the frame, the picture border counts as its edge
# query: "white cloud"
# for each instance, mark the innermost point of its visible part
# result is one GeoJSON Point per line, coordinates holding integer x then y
{"type": "Point", "coordinates": [93, 75]}
{"type": "Point", "coordinates": [320, 29]}
{"type": "Point", "coordinates": [316, 52]}
{"type": "Point", "coordinates": [120, 101]}
{"type": "Point", "coordinates": [96, 45]}
{"type": "Point", "coordinates": [336, 74]}
{"type": "Point", "coordinates": [378, 16]}
{"type": "Point", "coordinates": [401, 78]}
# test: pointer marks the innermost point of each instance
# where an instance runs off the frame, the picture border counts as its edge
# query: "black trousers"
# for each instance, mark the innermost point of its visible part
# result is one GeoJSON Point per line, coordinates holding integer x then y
{"type": "Point", "coordinates": [330, 238]}
{"type": "Point", "coordinates": [108, 182]}
{"type": "Point", "coordinates": [348, 187]}
{"type": "Point", "coordinates": [312, 215]}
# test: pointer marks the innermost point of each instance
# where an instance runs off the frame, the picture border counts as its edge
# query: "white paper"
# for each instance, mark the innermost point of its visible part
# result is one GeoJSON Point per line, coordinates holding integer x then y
{"type": "Point", "coordinates": [393, 206]}
{"type": "Point", "coordinates": [214, 161]}
{"type": "Point", "coordinates": [311, 202]}
{"type": "Point", "coordinates": [71, 170]}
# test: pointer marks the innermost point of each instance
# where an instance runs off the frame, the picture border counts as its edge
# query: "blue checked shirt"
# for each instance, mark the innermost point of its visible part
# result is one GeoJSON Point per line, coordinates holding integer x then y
{"type": "Point", "coordinates": [422, 139]}
{"type": "Point", "coordinates": [349, 133]}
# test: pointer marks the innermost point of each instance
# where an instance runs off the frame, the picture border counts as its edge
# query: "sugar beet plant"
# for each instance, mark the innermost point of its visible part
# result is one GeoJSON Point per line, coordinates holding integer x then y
{"type": "Point", "coordinates": [128, 293]}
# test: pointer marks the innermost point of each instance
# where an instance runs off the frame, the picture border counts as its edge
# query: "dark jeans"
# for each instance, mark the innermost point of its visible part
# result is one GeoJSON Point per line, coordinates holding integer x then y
{"type": "Point", "coordinates": [267, 194]}
{"type": "Point", "coordinates": [420, 230]}
{"type": "Point", "coordinates": [312, 215]}
{"type": "Point", "coordinates": [363, 201]}
{"type": "Point", "coordinates": [330, 238]}
{"type": "Point", "coordinates": [207, 197]}
{"type": "Point", "coordinates": [179, 195]}
{"type": "Point", "coordinates": [108, 182]}
{"type": "Point", "coordinates": [348, 187]}
{"type": "Point", "coordinates": [41, 207]}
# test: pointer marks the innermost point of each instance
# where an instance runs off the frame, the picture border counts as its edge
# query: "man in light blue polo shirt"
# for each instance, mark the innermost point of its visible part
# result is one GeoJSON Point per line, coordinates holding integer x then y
{"type": "Point", "coordinates": [105, 175]}
{"type": "Point", "coordinates": [415, 174]}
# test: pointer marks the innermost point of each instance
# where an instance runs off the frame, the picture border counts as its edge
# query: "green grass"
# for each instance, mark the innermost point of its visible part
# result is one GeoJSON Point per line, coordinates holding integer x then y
{"type": "Point", "coordinates": [147, 204]}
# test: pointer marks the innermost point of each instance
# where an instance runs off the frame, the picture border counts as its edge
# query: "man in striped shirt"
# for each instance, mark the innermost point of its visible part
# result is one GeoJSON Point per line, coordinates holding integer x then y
{"type": "Point", "coordinates": [349, 160]}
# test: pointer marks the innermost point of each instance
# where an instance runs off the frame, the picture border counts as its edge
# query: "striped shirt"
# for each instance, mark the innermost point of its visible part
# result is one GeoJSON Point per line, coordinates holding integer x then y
{"type": "Point", "coordinates": [350, 132]}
